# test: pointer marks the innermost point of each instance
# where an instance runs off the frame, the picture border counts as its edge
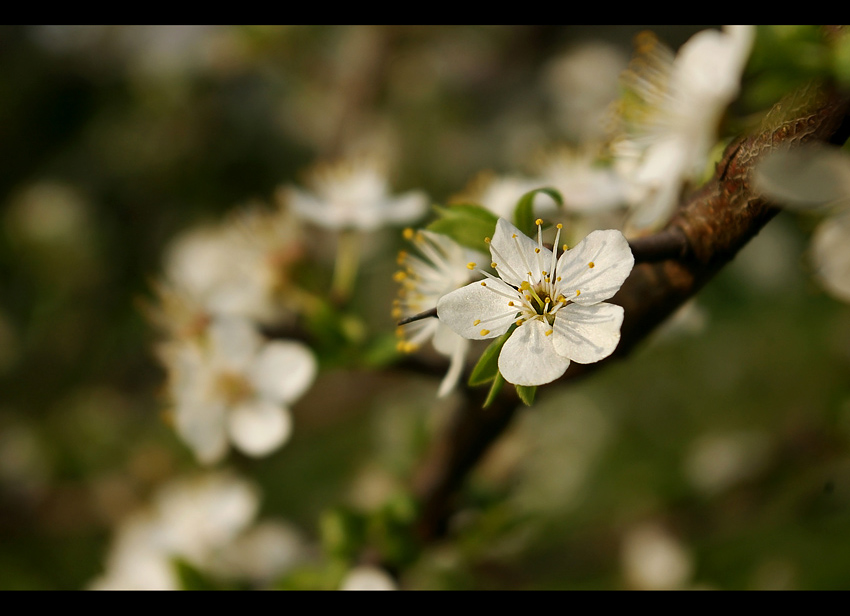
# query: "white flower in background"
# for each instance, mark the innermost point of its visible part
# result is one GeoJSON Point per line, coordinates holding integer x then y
{"type": "Point", "coordinates": [205, 521]}
{"type": "Point", "coordinates": [238, 268]}
{"type": "Point", "coordinates": [235, 386]}
{"type": "Point", "coordinates": [654, 559]}
{"type": "Point", "coordinates": [816, 178]}
{"type": "Point", "coordinates": [368, 578]}
{"type": "Point", "coordinates": [500, 193]}
{"type": "Point", "coordinates": [354, 195]}
{"type": "Point", "coordinates": [581, 84]}
{"type": "Point", "coordinates": [442, 267]}
{"type": "Point", "coordinates": [587, 185]}
{"type": "Point", "coordinates": [556, 302]}
{"type": "Point", "coordinates": [672, 116]}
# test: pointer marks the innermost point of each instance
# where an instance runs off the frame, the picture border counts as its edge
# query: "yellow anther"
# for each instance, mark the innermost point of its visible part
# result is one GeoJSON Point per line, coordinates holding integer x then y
{"type": "Point", "coordinates": [513, 236]}
{"type": "Point", "coordinates": [400, 346]}
{"type": "Point", "coordinates": [559, 226]}
{"type": "Point", "coordinates": [476, 321]}
{"type": "Point", "coordinates": [529, 273]}
{"type": "Point", "coordinates": [565, 248]}
{"type": "Point", "coordinates": [591, 265]}
{"type": "Point", "coordinates": [549, 333]}
{"type": "Point", "coordinates": [578, 292]}
{"type": "Point", "coordinates": [408, 233]}
{"type": "Point", "coordinates": [484, 332]}
{"type": "Point", "coordinates": [558, 279]}
{"type": "Point", "coordinates": [538, 222]}
{"type": "Point", "coordinates": [470, 266]}
{"type": "Point", "coordinates": [399, 276]}
{"type": "Point", "coordinates": [528, 298]}
{"type": "Point", "coordinates": [402, 255]}
{"type": "Point", "coordinates": [519, 322]}
{"type": "Point", "coordinates": [486, 240]}
{"type": "Point", "coordinates": [396, 313]}
{"type": "Point", "coordinates": [493, 265]}
{"type": "Point", "coordinates": [537, 250]}
{"type": "Point", "coordinates": [511, 303]}
{"type": "Point", "coordinates": [561, 298]}
{"type": "Point", "coordinates": [483, 284]}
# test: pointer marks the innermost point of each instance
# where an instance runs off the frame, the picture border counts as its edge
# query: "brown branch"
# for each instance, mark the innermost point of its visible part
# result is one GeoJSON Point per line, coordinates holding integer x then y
{"type": "Point", "coordinates": [673, 265]}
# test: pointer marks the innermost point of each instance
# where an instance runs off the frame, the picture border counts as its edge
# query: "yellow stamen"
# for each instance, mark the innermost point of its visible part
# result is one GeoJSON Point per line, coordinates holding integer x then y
{"type": "Point", "coordinates": [493, 265]}
{"type": "Point", "coordinates": [408, 233]}
{"type": "Point", "coordinates": [578, 292]}
{"type": "Point", "coordinates": [537, 250]}
{"type": "Point", "coordinates": [559, 226]}
{"type": "Point", "coordinates": [538, 222]}
{"type": "Point", "coordinates": [483, 284]}
{"type": "Point", "coordinates": [476, 321]}
{"type": "Point", "coordinates": [519, 322]}
{"type": "Point", "coordinates": [484, 332]}
{"type": "Point", "coordinates": [470, 266]}
{"type": "Point", "coordinates": [549, 333]}
{"type": "Point", "coordinates": [591, 265]}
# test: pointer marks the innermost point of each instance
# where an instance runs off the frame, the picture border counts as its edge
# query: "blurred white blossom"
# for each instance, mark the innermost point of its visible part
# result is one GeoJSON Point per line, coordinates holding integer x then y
{"type": "Point", "coordinates": [237, 268]}
{"type": "Point", "coordinates": [672, 113]}
{"type": "Point", "coordinates": [654, 559]}
{"type": "Point", "coordinates": [368, 578]}
{"type": "Point", "coordinates": [354, 194]}
{"type": "Point", "coordinates": [500, 194]}
{"type": "Point", "coordinates": [205, 521]}
{"type": "Point", "coordinates": [235, 386]}
{"type": "Point", "coordinates": [816, 178]}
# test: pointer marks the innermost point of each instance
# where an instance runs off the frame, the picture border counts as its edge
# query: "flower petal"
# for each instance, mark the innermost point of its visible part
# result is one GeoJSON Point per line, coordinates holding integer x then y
{"type": "Point", "coordinates": [449, 343]}
{"type": "Point", "coordinates": [529, 357]}
{"type": "Point", "coordinates": [201, 425]}
{"type": "Point", "coordinates": [258, 427]}
{"type": "Point", "coordinates": [235, 342]}
{"type": "Point", "coordinates": [831, 255]}
{"type": "Point", "coordinates": [283, 370]}
{"type": "Point", "coordinates": [587, 334]}
{"type": "Point", "coordinates": [596, 267]}
{"type": "Point", "coordinates": [516, 256]}
{"type": "Point", "coordinates": [479, 307]}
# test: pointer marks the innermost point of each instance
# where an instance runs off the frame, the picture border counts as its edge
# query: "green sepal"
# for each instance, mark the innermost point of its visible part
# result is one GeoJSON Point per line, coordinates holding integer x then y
{"type": "Point", "coordinates": [524, 211]}
{"type": "Point", "coordinates": [526, 393]}
{"type": "Point", "coordinates": [495, 388]}
{"type": "Point", "coordinates": [488, 365]}
{"type": "Point", "coordinates": [466, 223]}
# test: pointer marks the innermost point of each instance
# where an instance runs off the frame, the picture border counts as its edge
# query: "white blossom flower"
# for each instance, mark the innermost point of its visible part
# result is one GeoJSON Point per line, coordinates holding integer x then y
{"type": "Point", "coordinates": [556, 302]}
{"type": "Point", "coordinates": [238, 268]}
{"type": "Point", "coordinates": [673, 116]}
{"type": "Point", "coordinates": [500, 194]}
{"type": "Point", "coordinates": [816, 178]}
{"type": "Point", "coordinates": [443, 267]}
{"type": "Point", "coordinates": [368, 578]}
{"type": "Point", "coordinates": [234, 386]}
{"type": "Point", "coordinates": [205, 521]}
{"type": "Point", "coordinates": [354, 195]}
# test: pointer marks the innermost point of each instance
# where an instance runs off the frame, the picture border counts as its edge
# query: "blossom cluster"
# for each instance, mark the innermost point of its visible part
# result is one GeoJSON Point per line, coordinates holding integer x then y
{"type": "Point", "coordinates": [553, 307]}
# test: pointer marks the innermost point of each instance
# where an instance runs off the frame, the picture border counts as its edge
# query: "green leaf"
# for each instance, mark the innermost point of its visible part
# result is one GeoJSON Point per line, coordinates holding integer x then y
{"type": "Point", "coordinates": [495, 388]}
{"type": "Point", "coordinates": [524, 212]}
{"type": "Point", "coordinates": [526, 393]}
{"type": "Point", "coordinates": [466, 223]}
{"type": "Point", "coordinates": [488, 365]}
